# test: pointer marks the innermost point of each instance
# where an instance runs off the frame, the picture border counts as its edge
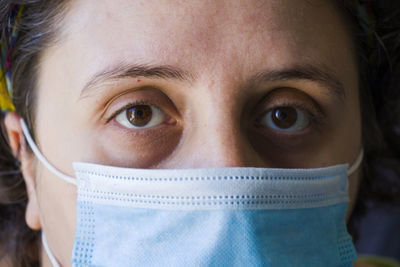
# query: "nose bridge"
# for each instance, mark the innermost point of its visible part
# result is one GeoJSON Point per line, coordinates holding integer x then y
{"type": "Point", "coordinates": [219, 139]}
{"type": "Point", "coordinates": [225, 144]}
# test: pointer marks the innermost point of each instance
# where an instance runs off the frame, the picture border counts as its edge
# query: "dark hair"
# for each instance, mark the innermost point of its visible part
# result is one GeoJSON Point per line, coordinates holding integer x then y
{"type": "Point", "coordinates": [379, 75]}
{"type": "Point", "coordinates": [18, 243]}
{"type": "Point", "coordinates": [379, 71]}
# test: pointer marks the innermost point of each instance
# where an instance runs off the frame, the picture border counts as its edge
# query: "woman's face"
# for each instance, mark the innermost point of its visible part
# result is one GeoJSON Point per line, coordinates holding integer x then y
{"type": "Point", "coordinates": [191, 84]}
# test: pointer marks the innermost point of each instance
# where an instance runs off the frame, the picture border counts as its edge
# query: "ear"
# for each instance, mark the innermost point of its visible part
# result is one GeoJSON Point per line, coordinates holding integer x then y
{"type": "Point", "coordinates": [19, 148]}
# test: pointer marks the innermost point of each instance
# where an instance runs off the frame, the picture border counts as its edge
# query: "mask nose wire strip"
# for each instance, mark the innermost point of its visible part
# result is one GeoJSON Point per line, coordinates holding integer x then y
{"type": "Point", "coordinates": [53, 261]}
{"type": "Point", "coordinates": [356, 164]}
{"type": "Point", "coordinates": [42, 159]}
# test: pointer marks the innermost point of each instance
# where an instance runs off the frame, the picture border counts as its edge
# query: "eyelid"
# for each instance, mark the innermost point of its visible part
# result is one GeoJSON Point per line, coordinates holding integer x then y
{"type": "Point", "coordinates": [313, 117]}
{"type": "Point", "coordinates": [144, 96]}
{"type": "Point", "coordinates": [291, 97]}
{"type": "Point", "coordinates": [127, 106]}
{"type": "Point", "coordinates": [302, 117]}
{"type": "Point", "coordinates": [288, 97]}
{"type": "Point", "coordinates": [313, 113]}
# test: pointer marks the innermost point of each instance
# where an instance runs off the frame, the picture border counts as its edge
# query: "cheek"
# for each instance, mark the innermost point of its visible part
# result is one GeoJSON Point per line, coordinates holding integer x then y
{"type": "Point", "coordinates": [133, 151]}
{"type": "Point", "coordinates": [57, 207]}
{"type": "Point", "coordinates": [354, 183]}
{"type": "Point", "coordinates": [348, 135]}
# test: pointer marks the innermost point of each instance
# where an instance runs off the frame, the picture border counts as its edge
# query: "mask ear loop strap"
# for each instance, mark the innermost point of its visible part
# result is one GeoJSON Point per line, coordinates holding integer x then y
{"type": "Point", "coordinates": [356, 164]}
{"type": "Point", "coordinates": [50, 255]}
{"type": "Point", "coordinates": [42, 159]}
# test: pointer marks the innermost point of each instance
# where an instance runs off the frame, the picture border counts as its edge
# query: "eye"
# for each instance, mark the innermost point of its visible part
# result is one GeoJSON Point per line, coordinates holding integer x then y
{"type": "Point", "coordinates": [287, 119]}
{"type": "Point", "coordinates": [141, 116]}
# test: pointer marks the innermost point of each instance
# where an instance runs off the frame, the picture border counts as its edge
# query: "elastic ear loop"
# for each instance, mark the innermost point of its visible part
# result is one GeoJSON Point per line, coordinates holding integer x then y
{"type": "Point", "coordinates": [51, 257]}
{"type": "Point", "coordinates": [356, 164]}
{"type": "Point", "coordinates": [42, 159]}
{"type": "Point", "coordinates": [71, 180]}
{"type": "Point", "coordinates": [66, 178]}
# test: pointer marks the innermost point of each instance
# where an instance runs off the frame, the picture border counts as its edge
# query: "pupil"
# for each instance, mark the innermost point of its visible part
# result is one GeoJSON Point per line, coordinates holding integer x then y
{"type": "Point", "coordinates": [139, 115]}
{"type": "Point", "coordinates": [284, 117]}
{"type": "Point", "coordinates": [281, 115]}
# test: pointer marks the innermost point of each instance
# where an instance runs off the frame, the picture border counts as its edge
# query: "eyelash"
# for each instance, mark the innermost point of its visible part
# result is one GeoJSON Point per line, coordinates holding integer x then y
{"type": "Point", "coordinates": [128, 106]}
{"type": "Point", "coordinates": [316, 115]}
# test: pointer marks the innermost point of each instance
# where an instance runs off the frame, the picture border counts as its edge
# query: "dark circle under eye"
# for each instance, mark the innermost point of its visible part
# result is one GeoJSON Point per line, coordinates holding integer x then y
{"type": "Point", "coordinates": [139, 115]}
{"type": "Point", "coordinates": [284, 117]}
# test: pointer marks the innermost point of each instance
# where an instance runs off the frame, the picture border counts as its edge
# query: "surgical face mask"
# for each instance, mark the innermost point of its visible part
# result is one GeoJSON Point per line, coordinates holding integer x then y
{"type": "Point", "coordinates": [209, 217]}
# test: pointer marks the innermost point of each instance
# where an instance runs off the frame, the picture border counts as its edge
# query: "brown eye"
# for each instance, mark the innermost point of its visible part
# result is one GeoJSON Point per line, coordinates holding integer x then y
{"type": "Point", "coordinates": [284, 117]}
{"type": "Point", "coordinates": [288, 119]}
{"type": "Point", "coordinates": [141, 116]}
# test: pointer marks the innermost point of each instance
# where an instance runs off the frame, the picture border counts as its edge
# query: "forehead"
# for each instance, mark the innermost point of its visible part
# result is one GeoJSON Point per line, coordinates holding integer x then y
{"type": "Point", "coordinates": [201, 36]}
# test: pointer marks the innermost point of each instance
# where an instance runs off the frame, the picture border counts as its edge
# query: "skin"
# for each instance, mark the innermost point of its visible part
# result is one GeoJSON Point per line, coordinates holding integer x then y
{"type": "Point", "coordinates": [212, 118]}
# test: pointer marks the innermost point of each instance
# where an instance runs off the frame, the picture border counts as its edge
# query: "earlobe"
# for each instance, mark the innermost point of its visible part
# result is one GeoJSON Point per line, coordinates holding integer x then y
{"type": "Point", "coordinates": [18, 145]}
{"type": "Point", "coordinates": [32, 210]}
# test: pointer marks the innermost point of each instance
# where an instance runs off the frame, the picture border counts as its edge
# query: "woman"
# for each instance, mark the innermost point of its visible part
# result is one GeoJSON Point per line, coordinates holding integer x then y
{"type": "Point", "coordinates": [178, 85]}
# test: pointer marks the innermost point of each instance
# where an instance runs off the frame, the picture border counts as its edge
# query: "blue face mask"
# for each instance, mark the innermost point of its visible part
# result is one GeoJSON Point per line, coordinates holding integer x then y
{"type": "Point", "coordinates": [209, 217]}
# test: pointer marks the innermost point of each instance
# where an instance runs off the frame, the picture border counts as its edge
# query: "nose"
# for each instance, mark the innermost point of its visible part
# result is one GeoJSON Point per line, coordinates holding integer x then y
{"type": "Point", "coordinates": [219, 141]}
{"type": "Point", "coordinates": [227, 146]}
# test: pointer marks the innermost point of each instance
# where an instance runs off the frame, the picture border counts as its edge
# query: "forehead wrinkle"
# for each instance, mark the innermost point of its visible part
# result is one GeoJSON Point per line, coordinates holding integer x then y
{"type": "Point", "coordinates": [206, 31]}
{"type": "Point", "coordinates": [210, 47]}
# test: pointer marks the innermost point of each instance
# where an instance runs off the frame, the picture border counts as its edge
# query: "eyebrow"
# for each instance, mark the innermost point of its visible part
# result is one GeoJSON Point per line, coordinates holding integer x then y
{"type": "Point", "coordinates": [319, 74]}
{"type": "Point", "coordinates": [123, 71]}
